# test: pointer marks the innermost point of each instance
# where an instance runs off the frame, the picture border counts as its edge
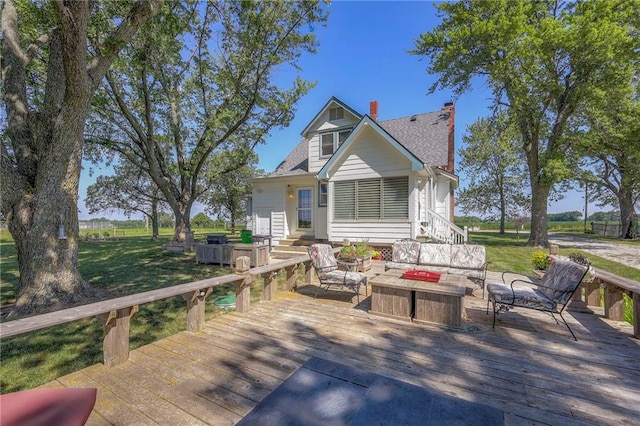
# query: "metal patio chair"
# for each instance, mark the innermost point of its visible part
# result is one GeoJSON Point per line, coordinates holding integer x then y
{"type": "Point", "coordinates": [328, 272]}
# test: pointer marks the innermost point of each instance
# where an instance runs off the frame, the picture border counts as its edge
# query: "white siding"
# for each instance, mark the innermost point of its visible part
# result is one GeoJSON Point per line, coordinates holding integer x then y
{"type": "Point", "coordinates": [369, 156]}
{"type": "Point", "coordinates": [271, 196]}
{"type": "Point", "coordinates": [315, 162]}
{"type": "Point", "coordinates": [373, 232]}
{"type": "Point", "coordinates": [442, 198]}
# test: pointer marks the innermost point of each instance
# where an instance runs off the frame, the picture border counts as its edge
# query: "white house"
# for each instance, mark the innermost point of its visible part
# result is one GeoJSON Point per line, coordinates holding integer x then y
{"type": "Point", "coordinates": [352, 177]}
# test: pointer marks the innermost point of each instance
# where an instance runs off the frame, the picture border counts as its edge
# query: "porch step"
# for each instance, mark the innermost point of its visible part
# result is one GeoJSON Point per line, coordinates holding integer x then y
{"type": "Point", "coordinates": [295, 249]}
{"type": "Point", "coordinates": [296, 242]}
{"type": "Point", "coordinates": [282, 254]}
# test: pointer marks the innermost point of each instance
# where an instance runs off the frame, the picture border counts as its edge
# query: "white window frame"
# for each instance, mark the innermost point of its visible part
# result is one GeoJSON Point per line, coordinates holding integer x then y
{"type": "Point", "coordinates": [323, 195]}
{"type": "Point", "coordinates": [335, 136]}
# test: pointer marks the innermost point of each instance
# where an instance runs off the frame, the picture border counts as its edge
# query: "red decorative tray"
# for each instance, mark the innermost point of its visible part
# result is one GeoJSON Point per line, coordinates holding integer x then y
{"type": "Point", "coordinates": [415, 274]}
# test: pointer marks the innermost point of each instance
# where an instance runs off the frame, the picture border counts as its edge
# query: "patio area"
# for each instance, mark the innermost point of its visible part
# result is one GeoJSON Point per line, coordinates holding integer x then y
{"type": "Point", "coordinates": [529, 368]}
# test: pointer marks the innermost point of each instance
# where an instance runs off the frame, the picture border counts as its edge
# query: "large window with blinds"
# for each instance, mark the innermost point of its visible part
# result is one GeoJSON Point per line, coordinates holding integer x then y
{"type": "Point", "coordinates": [371, 199]}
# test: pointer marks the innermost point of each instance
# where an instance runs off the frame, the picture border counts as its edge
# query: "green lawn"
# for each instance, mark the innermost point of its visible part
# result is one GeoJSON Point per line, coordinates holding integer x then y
{"type": "Point", "coordinates": [125, 266]}
{"type": "Point", "coordinates": [135, 264]}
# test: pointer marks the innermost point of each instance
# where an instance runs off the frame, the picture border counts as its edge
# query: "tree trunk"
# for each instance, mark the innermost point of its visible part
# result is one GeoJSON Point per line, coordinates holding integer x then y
{"type": "Point", "coordinates": [155, 228]}
{"type": "Point", "coordinates": [183, 223]}
{"type": "Point", "coordinates": [627, 213]}
{"type": "Point", "coordinates": [48, 259]}
{"type": "Point", "coordinates": [503, 209]}
{"type": "Point", "coordinates": [539, 199]}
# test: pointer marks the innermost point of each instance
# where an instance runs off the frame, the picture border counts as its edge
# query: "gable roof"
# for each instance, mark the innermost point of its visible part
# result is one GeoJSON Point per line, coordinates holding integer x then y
{"type": "Point", "coordinates": [425, 136]}
{"type": "Point", "coordinates": [331, 100]}
{"type": "Point", "coordinates": [370, 122]}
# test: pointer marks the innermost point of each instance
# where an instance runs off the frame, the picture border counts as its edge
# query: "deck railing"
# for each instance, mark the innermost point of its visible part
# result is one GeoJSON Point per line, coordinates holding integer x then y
{"type": "Point", "coordinates": [443, 230]}
{"type": "Point", "coordinates": [115, 314]}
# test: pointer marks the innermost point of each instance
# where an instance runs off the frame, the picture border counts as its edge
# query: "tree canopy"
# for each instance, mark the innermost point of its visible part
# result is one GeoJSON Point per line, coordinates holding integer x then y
{"type": "Point", "coordinates": [201, 82]}
{"type": "Point", "coordinates": [496, 172]}
{"type": "Point", "coordinates": [543, 61]}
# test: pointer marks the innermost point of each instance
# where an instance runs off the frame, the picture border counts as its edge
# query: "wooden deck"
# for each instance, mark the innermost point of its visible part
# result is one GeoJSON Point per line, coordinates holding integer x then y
{"type": "Point", "coordinates": [529, 367]}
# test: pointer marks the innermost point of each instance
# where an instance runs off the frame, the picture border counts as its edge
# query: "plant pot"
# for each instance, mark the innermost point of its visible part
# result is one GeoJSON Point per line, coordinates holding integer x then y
{"type": "Point", "coordinates": [365, 264]}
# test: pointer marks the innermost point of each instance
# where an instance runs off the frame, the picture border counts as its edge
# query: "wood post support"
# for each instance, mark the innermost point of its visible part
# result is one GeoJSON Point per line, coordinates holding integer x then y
{"type": "Point", "coordinates": [593, 294]}
{"type": "Point", "coordinates": [613, 303]}
{"type": "Point", "coordinates": [115, 345]}
{"type": "Point", "coordinates": [308, 272]}
{"type": "Point", "coordinates": [635, 301]}
{"type": "Point", "coordinates": [196, 308]}
{"type": "Point", "coordinates": [269, 279]}
{"type": "Point", "coordinates": [292, 277]}
{"type": "Point", "coordinates": [243, 294]}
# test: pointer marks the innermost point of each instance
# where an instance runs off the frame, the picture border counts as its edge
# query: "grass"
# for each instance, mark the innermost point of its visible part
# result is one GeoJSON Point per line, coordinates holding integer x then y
{"type": "Point", "coordinates": [121, 267]}
{"type": "Point", "coordinates": [136, 264]}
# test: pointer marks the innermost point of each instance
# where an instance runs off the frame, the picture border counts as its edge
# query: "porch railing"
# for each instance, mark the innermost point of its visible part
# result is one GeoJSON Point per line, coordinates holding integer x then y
{"type": "Point", "coordinates": [443, 230]}
{"type": "Point", "coordinates": [115, 314]}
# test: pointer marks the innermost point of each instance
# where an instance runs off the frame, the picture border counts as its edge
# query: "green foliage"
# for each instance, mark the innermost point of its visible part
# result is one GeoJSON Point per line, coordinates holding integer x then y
{"type": "Point", "coordinates": [198, 89]}
{"type": "Point", "coordinates": [363, 248]}
{"type": "Point", "coordinates": [497, 173]}
{"type": "Point", "coordinates": [612, 216]}
{"type": "Point", "coordinates": [543, 63]}
{"type": "Point", "coordinates": [347, 252]}
{"type": "Point", "coordinates": [201, 220]}
{"type": "Point", "coordinates": [565, 216]}
{"type": "Point", "coordinates": [540, 260]}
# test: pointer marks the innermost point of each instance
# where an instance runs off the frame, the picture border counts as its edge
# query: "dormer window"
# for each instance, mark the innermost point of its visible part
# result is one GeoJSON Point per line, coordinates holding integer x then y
{"type": "Point", "coordinates": [336, 113]}
{"type": "Point", "coordinates": [331, 141]}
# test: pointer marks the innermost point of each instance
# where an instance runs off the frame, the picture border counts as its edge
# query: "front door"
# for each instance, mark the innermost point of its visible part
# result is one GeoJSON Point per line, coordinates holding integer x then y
{"type": "Point", "coordinates": [304, 209]}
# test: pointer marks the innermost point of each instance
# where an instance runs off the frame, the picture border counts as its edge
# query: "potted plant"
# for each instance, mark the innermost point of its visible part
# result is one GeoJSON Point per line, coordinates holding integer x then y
{"type": "Point", "coordinates": [364, 252]}
{"type": "Point", "coordinates": [347, 253]}
{"type": "Point", "coordinates": [376, 255]}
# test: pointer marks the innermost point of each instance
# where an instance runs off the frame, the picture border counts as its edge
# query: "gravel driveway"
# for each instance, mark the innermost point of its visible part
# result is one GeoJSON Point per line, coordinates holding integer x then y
{"type": "Point", "coordinates": [627, 254]}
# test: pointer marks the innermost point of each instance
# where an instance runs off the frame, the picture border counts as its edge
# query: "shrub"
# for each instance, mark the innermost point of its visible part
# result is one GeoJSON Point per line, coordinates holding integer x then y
{"type": "Point", "coordinates": [540, 260]}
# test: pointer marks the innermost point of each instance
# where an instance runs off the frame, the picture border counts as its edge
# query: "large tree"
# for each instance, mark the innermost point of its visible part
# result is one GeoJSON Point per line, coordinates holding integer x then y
{"type": "Point", "coordinates": [204, 81]}
{"type": "Point", "coordinates": [609, 134]}
{"type": "Point", "coordinates": [543, 60]}
{"type": "Point", "coordinates": [50, 72]}
{"type": "Point", "coordinates": [128, 190]}
{"type": "Point", "coordinates": [227, 197]}
{"type": "Point", "coordinates": [496, 171]}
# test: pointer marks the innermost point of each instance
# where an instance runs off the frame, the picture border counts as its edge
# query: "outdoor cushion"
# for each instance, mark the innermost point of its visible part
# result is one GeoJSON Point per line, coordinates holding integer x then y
{"type": "Point", "coordinates": [470, 273]}
{"type": "Point", "coordinates": [323, 258]}
{"type": "Point", "coordinates": [400, 265]}
{"type": "Point", "coordinates": [351, 280]}
{"type": "Point", "coordinates": [435, 254]}
{"type": "Point", "coordinates": [406, 251]}
{"type": "Point", "coordinates": [525, 296]}
{"type": "Point", "coordinates": [470, 256]}
{"type": "Point", "coordinates": [561, 278]}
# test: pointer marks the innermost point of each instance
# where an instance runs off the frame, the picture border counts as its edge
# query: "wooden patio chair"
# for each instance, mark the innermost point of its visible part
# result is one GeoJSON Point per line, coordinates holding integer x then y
{"type": "Point", "coordinates": [550, 295]}
{"type": "Point", "coordinates": [328, 272]}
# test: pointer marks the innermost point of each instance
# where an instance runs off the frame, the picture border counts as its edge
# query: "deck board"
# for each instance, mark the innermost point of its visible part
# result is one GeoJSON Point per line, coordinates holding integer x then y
{"type": "Point", "coordinates": [529, 367]}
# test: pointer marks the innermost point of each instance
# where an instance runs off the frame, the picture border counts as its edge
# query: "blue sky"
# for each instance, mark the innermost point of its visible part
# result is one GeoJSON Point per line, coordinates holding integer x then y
{"type": "Point", "coordinates": [363, 56]}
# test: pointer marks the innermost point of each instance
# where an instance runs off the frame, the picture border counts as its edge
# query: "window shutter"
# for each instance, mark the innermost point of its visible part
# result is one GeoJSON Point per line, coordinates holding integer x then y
{"type": "Point", "coordinates": [368, 196]}
{"type": "Point", "coordinates": [344, 200]}
{"type": "Point", "coordinates": [396, 198]}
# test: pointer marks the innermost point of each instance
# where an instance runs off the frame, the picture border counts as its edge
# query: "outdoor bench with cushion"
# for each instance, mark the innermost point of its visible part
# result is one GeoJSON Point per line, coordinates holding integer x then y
{"type": "Point", "coordinates": [455, 259]}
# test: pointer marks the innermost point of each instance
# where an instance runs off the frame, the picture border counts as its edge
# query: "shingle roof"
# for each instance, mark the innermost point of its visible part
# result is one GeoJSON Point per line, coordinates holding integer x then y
{"type": "Point", "coordinates": [425, 135]}
{"type": "Point", "coordinates": [296, 163]}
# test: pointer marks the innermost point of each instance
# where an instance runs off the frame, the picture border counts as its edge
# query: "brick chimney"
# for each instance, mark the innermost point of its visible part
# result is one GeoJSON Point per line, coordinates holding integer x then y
{"type": "Point", "coordinates": [451, 151]}
{"type": "Point", "coordinates": [373, 110]}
